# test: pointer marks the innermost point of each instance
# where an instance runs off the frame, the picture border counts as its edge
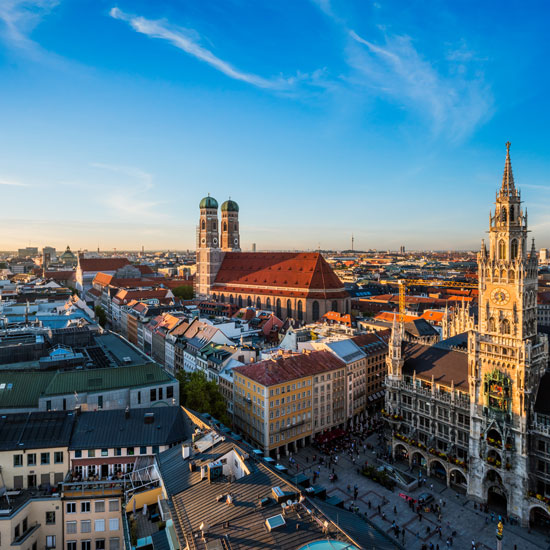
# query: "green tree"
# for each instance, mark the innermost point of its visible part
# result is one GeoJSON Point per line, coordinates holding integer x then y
{"type": "Point", "coordinates": [185, 292]}
{"type": "Point", "coordinates": [202, 396]}
{"type": "Point", "coordinates": [101, 316]}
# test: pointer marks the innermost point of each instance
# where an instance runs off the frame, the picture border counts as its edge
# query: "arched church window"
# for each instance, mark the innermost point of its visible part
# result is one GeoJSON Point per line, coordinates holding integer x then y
{"type": "Point", "coordinates": [512, 213]}
{"type": "Point", "coordinates": [222, 299]}
{"type": "Point", "coordinates": [203, 225]}
{"type": "Point", "coordinates": [249, 301]}
{"type": "Point", "coordinates": [503, 274]}
{"type": "Point", "coordinates": [278, 308]}
{"type": "Point", "coordinates": [315, 310]}
{"type": "Point", "coordinates": [240, 302]}
{"type": "Point", "coordinates": [288, 308]}
{"type": "Point", "coordinates": [514, 249]}
{"type": "Point", "coordinates": [492, 326]}
{"type": "Point", "coordinates": [334, 306]}
{"type": "Point", "coordinates": [511, 275]}
{"type": "Point", "coordinates": [231, 298]}
{"type": "Point", "coordinates": [501, 250]}
{"type": "Point", "coordinates": [505, 326]}
{"type": "Point", "coordinates": [268, 304]}
{"type": "Point", "coordinates": [300, 312]}
{"type": "Point", "coordinates": [225, 226]}
{"type": "Point", "coordinates": [258, 303]}
{"type": "Point", "coordinates": [503, 215]}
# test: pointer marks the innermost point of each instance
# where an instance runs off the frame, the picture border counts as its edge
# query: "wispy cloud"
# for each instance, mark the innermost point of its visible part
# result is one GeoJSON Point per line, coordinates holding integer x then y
{"type": "Point", "coordinates": [13, 183]}
{"type": "Point", "coordinates": [19, 17]}
{"type": "Point", "coordinates": [186, 40]}
{"type": "Point", "coordinates": [128, 195]}
{"type": "Point", "coordinates": [452, 103]}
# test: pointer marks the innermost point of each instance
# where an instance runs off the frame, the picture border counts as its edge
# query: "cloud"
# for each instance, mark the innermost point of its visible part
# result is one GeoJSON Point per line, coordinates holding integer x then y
{"type": "Point", "coordinates": [19, 17]}
{"type": "Point", "coordinates": [129, 197]}
{"type": "Point", "coordinates": [13, 183]}
{"type": "Point", "coordinates": [452, 103]}
{"type": "Point", "coordinates": [186, 40]}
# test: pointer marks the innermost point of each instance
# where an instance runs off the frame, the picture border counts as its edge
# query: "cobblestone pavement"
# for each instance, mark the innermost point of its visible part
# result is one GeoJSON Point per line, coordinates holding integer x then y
{"type": "Point", "coordinates": [458, 513]}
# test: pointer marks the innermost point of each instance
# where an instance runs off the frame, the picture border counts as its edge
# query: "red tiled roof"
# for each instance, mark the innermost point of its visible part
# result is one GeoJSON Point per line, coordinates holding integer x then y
{"type": "Point", "coordinates": [301, 272]}
{"type": "Point", "coordinates": [59, 275]}
{"type": "Point", "coordinates": [145, 269]}
{"type": "Point", "coordinates": [290, 367]}
{"type": "Point", "coordinates": [102, 264]}
{"type": "Point", "coordinates": [125, 296]}
{"type": "Point", "coordinates": [391, 315]}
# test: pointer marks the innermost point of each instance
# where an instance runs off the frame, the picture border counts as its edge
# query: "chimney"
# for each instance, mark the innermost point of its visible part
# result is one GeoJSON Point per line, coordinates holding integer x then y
{"type": "Point", "coordinates": [127, 413]}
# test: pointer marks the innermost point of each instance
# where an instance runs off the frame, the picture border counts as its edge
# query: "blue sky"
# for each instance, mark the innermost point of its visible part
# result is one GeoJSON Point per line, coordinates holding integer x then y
{"type": "Point", "coordinates": [320, 118]}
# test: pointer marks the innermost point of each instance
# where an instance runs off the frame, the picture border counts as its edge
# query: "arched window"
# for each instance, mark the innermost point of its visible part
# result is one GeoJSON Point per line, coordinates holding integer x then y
{"type": "Point", "coordinates": [334, 306]}
{"type": "Point", "coordinates": [511, 275]}
{"type": "Point", "coordinates": [225, 226]}
{"type": "Point", "coordinates": [503, 274]}
{"type": "Point", "coordinates": [315, 310]}
{"type": "Point", "coordinates": [231, 298]}
{"type": "Point", "coordinates": [288, 308]}
{"type": "Point", "coordinates": [258, 303]}
{"type": "Point", "coordinates": [278, 308]}
{"type": "Point", "coordinates": [492, 327]}
{"type": "Point", "coordinates": [503, 215]}
{"type": "Point", "coordinates": [268, 304]}
{"type": "Point", "coordinates": [514, 249]}
{"type": "Point", "coordinates": [249, 301]}
{"type": "Point", "coordinates": [203, 224]}
{"type": "Point", "coordinates": [240, 302]}
{"type": "Point", "coordinates": [512, 213]}
{"type": "Point", "coordinates": [501, 250]}
{"type": "Point", "coordinates": [505, 326]}
{"type": "Point", "coordinates": [222, 299]}
{"type": "Point", "coordinates": [300, 312]}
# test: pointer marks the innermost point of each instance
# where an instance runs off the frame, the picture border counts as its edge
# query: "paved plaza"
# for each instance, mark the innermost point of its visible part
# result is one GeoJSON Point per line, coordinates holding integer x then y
{"type": "Point", "coordinates": [458, 512]}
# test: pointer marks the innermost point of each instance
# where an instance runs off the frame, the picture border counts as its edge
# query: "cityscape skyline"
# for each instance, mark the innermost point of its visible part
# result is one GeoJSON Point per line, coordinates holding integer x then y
{"type": "Point", "coordinates": [119, 117]}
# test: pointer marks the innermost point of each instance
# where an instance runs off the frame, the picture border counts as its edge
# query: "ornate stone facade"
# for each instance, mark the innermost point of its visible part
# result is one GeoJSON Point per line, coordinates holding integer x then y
{"type": "Point", "coordinates": [466, 408]}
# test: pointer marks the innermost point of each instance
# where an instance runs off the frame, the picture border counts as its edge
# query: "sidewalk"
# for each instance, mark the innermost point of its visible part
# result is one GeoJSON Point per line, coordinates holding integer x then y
{"type": "Point", "coordinates": [458, 513]}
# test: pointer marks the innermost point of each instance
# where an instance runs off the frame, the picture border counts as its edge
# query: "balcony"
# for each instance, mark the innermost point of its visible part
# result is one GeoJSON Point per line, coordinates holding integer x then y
{"type": "Point", "coordinates": [18, 541]}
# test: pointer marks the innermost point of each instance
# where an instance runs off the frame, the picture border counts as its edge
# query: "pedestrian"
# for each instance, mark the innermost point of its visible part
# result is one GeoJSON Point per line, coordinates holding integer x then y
{"type": "Point", "coordinates": [431, 486]}
{"type": "Point", "coordinates": [395, 510]}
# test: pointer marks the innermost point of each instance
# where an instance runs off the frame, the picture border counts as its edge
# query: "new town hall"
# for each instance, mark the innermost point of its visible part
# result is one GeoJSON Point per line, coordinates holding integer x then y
{"type": "Point", "coordinates": [474, 409]}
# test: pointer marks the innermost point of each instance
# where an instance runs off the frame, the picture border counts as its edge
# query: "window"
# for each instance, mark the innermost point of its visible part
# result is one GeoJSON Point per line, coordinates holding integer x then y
{"type": "Point", "coordinates": [78, 454]}
{"type": "Point", "coordinates": [113, 524]}
{"type": "Point", "coordinates": [86, 545]}
{"type": "Point", "coordinates": [130, 451]}
{"type": "Point", "coordinates": [85, 507]}
{"type": "Point", "coordinates": [100, 544]}
{"type": "Point", "coordinates": [99, 506]}
{"type": "Point", "coordinates": [155, 449]}
{"type": "Point", "coordinates": [44, 458]}
{"type": "Point", "coordinates": [86, 525]}
{"type": "Point", "coordinates": [153, 395]}
{"type": "Point", "coordinates": [113, 506]}
{"type": "Point", "coordinates": [118, 452]}
{"type": "Point", "coordinates": [50, 518]}
{"type": "Point", "coordinates": [99, 401]}
{"type": "Point", "coordinates": [71, 545]}
{"type": "Point", "coordinates": [160, 393]}
{"type": "Point", "coordinates": [170, 392]}
{"type": "Point", "coordinates": [91, 453]}
{"type": "Point", "coordinates": [48, 405]}
{"type": "Point", "coordinates": [71, 508]}
{"type": "Point", "coordinates": [18, 460]}
{"type": "Point", "coordinates": [70, 527]}
{"type": "Point", "coordinates": [114, 544]}
{"type": "Point", "coordinates": [50, 541]}
{"type": "Point", "coordinates": [31, 459]}
{"type": "Point", "coordinates": [143, 450]}
{"type": "Point", "coordinates": [139, 397]}
{"type": "Point", "coordinates": [58, 457]}
{"type": "Point", "coordinates": [99, 525]}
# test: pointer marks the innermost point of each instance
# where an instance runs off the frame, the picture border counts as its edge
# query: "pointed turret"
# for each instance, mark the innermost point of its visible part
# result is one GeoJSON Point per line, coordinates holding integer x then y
{"type": "Point", "coordinates": [394, 359]}
{"type": "Point", "coordinates": [508, 188]}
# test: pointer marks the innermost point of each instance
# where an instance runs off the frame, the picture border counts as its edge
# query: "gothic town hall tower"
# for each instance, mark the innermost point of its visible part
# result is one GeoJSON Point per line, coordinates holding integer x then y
{"type": "Point", "coordinates": [506, 357]}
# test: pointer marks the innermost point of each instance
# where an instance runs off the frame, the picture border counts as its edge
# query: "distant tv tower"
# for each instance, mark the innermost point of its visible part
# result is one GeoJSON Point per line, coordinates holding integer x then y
{"type": "Point", "coordinates": [352, 239]}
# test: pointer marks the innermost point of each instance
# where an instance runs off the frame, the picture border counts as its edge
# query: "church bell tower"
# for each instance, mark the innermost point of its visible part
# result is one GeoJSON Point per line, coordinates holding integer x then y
{"type": "Point", "coordinates": [209, 255]}
{"type": "Point", "coordinates": [506, 357]}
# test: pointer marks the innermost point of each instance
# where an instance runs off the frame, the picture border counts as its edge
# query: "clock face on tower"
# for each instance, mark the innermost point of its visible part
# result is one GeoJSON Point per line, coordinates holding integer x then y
{"type": "Point", "coordinates": [500, 296]}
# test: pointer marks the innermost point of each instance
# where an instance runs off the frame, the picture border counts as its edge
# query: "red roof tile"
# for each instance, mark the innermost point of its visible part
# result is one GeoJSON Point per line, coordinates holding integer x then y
{"type": "Point", "coordinates": [301, 272]}
{"type": "Point", "coordinates": [290, 367]}
{"type": "Point", "coordinates": [102, 264]}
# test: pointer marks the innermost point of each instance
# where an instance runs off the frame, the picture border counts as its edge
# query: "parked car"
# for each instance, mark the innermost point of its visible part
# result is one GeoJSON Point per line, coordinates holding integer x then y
{"type": "Point", "coordinates": [425, 498]}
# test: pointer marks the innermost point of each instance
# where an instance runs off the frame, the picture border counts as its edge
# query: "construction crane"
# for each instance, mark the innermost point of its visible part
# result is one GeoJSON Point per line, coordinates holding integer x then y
{"type": "Point", "coordinates": [403, 283]}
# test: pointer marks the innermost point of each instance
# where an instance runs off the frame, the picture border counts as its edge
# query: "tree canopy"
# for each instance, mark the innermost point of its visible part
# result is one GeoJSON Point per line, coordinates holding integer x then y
{"type": "Point", "coordinates": [202, 396]}
{"type": "Point", "coordinates": [101, 316]}
{"type": "Point", "coordinates": [185, 292]}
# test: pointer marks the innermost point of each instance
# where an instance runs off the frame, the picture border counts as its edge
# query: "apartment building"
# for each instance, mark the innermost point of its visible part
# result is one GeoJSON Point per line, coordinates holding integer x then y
{"type": "Point", "coordinates": [273, 400]}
